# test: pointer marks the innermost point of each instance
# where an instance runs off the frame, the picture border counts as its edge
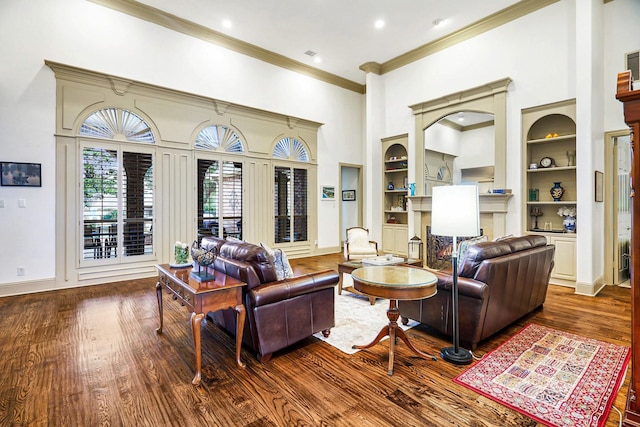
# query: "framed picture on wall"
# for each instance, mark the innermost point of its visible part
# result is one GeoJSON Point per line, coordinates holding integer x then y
{"type": "Point", "coordinates": [328, 192]}
{"type": "Point", "coordinates": [21, 174]}
{"type": "Point", "coordinates": [599, 186]}
{"type": "Point", "coordinates": [348, 195]}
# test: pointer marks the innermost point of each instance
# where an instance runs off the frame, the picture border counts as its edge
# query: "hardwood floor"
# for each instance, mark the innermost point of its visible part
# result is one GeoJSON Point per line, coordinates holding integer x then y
{"type": "Point", "coordinates": [91, 357]}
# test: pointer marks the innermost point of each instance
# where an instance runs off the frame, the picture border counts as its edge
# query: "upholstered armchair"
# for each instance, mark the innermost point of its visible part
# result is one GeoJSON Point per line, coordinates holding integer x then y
{"type": "Point", "coordinates": [358, 245]}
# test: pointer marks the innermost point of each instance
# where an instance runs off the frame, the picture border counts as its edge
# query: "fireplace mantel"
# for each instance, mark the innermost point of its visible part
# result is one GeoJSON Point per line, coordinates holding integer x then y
{"type": "Point", "coordinates": [489, 203]}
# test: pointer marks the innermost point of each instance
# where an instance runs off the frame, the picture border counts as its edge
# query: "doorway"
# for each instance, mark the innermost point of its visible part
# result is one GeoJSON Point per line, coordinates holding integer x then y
{"type": "Point", "coordinates": [618, 208]}
{"type": "Point", "coordinates": [351, 204]}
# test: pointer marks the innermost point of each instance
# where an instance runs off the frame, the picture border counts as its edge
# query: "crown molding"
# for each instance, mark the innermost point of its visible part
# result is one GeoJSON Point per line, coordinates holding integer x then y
{"type": "Point", "coordinates": [495, 20]}
{"type": "Point", "coordinates": [172, 22]}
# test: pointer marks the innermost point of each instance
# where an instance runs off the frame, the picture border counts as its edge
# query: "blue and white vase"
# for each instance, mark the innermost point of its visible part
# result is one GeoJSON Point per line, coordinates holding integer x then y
{"type": "Point", "coordinates": [569, 224]}
{"type": "Point", "coordinates": [556, 191]}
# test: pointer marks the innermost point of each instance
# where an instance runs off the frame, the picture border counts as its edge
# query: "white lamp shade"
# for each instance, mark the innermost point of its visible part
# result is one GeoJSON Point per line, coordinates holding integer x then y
{"type": "Point", "coordinates": [455, 211]}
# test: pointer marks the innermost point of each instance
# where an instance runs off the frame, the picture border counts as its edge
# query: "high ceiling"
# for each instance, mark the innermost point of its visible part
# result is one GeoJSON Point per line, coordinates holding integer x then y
{"type": "Point", "coordinates": [340, 32]}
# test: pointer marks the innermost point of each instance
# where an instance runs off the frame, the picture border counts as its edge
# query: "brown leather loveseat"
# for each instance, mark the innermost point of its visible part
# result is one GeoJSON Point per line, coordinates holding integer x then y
{"type": "Point", "coordinates": [499, 282]}
{"type": "Point", "coordinates": [279, 312]}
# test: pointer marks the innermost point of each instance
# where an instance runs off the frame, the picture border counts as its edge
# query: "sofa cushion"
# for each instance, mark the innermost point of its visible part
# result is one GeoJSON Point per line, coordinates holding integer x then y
{"type": "Point", "coordinates": [479, 252]}
{"type": "Point", "coordinates": [252, 254]}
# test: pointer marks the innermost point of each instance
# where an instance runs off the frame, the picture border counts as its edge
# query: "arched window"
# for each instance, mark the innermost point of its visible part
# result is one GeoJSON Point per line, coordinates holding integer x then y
{"type": "Point", "coordinates": [215, 136]}
{"type": "Point", "coordinates": [219, 184]}
{"type": "Point", "coordinates": [117, 123]}
{"type": "Point", "coordinates": [290, 149]}
{"type": "Point", "coordinates": [290, 192]}
{"type": "Point", "coordinates": [117, 187]}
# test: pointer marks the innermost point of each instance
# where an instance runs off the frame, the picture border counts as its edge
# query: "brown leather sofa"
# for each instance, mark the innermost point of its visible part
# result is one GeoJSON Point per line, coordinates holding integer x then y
{"type": "Point", "coordinates": [279, 312]}
{"type": "Point", "coordinates": [499, 282]}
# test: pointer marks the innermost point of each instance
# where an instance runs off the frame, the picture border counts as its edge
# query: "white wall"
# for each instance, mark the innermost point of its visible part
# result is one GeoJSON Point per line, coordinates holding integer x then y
{"type": "Point", "coordinates": [539, 53]}
{"type": "Point", "coordinates": [86, 35]}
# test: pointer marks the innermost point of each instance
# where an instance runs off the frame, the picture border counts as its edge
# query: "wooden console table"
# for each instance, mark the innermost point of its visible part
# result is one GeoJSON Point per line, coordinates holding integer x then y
{"type": "Point", "coordinates": [202, 297]}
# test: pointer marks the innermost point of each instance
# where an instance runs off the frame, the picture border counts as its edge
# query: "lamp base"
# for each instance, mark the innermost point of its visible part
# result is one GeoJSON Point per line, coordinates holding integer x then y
{"type": "Point", "coordinates": [461, 357]}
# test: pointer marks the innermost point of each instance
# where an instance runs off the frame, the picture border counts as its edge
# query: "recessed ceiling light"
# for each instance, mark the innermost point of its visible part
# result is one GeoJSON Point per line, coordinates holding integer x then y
{"type": "Point", "coordinates": [317, 60]}
{"type": "Point", "coordinates": [379, 23]}
{"type": "Point", "coordinates": [227, 24]}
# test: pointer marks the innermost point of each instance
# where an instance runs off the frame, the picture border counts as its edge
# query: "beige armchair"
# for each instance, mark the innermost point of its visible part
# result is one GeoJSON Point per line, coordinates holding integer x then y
{"type": "Point", "coordinates": [358, 245]}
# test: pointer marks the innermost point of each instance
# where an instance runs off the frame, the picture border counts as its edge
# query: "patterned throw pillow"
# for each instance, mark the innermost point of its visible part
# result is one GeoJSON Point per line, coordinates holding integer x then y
{"type": "Point", "coordinates": [464, 246]}
{"type": "Point", "coordinates": [280, 262]}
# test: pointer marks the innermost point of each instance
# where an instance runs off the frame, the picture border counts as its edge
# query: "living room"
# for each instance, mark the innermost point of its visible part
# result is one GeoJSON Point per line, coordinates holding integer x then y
{"type": "Point", "coordinates": [564, 50]}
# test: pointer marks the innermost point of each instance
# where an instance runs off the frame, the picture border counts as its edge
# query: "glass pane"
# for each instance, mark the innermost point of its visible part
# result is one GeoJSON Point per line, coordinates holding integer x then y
{"type": "Point", "coordinates": [208, 197]}
{"type": "Point", "coordinates": [100, 202]}
{"type": "Point", "coordinates": [299, 205]}
{"type": "Point", "coordinates": [232, 199]}
{"type": "Point", "coordinates": [281, 206]}
{"type": "Point", "coordinates": [137, 183]}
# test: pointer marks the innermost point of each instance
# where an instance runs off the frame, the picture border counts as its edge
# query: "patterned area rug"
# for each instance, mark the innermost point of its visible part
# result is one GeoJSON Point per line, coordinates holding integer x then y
{"type": "Point", "coordinates": [556, 378]}
{"type": "Point", "coordinates": [357, 321]}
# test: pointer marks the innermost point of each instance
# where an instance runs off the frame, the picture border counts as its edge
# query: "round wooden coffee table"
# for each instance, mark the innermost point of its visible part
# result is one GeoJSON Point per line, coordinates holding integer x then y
{"type": "Point", "coordinates": [394, 283]}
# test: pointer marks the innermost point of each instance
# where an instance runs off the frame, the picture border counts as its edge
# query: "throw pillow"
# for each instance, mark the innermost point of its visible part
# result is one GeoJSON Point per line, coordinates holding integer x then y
{"type": "Point", "coordinates": [497, 239]}
{"type": "Point", "coordinates": [464, 246]}
{"type": "Point", "coordinates": [280, 262]}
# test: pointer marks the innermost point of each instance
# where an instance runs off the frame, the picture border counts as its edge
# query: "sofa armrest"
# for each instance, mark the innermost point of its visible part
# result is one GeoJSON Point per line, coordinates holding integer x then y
{"type": "Point", "coordinates": [466, 286]}
{"type": "Point", "coordinates": [289, 288]}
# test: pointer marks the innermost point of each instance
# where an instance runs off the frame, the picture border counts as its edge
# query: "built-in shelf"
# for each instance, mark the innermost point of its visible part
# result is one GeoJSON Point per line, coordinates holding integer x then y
{"type": "Point", "coordinates": [552, 169]}
{"type": "Point", "coordinates": [551, 202]}
{"type": "Point", "coordinates": [552, 140]}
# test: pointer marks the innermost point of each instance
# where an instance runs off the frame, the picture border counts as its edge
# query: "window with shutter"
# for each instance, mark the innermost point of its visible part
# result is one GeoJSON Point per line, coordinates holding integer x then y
{"type": "Point", "coordinates": [117, 187]}
{"type": "Point", "coordinates": [290, 192]}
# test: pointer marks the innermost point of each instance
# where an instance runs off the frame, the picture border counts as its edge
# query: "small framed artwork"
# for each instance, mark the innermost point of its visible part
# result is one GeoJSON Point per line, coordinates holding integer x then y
{"type": "Point", "coordinates": [21, 174]}
{"type": "Point", "coordinates": [348, 195]}
{"type": "Point", "coordinates": [599, 186]}
{"type": "Point", "coordinates": [328, 192]}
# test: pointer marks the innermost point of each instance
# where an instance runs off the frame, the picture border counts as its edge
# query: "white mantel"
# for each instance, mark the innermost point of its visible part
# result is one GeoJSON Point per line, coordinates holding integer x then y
{"type": "Point", "coordinates": [489, 203]}
{"type": "Point", "coordinates": [493, 206]}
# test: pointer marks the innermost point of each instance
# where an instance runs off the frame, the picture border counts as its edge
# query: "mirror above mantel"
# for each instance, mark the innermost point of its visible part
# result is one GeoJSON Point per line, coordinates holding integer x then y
{"type": "Point", "coordinates": [486, 104]}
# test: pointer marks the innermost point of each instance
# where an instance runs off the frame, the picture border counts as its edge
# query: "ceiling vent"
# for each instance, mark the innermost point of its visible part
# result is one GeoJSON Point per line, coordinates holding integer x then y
{"type": "Point", "coordinates": [312, 53]}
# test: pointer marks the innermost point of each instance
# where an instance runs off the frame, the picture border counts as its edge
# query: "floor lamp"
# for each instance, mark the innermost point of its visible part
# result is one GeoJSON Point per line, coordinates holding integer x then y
{"type": "Point", "coordinates": [455, 212]}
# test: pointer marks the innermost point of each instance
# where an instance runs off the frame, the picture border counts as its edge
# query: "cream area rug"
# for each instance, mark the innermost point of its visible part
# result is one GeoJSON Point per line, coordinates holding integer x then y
{"type": "Point", "coordinates": [357, 321]}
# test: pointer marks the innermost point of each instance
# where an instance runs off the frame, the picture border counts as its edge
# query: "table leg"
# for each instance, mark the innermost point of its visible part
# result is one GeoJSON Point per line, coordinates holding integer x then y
{"type": "Point", "coordinates": [392, 330]}
{"type": "Point", "coordinates": [392, 348]}
{"type": "Point", "coordinates": [196, 321]}
{"type": "Point", "coordinates": [159, 296]}
{"type": "Point", "coordinates": [239, 331]}
{"type": "Point", "coordinates": [340, 273]}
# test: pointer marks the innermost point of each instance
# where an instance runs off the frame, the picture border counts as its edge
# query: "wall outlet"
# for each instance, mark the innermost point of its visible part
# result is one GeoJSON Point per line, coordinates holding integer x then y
{"type": "Point", "coordinates": [315, 243]}
{"type": "Point", "coordinates": [20, 271]}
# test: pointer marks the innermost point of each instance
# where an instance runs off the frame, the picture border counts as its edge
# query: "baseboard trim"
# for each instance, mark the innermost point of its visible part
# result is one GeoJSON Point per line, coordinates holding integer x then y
{"type": "Point", "coordinates": [590, 289]}
{"type": "Point", "coordinates": [27, 287]}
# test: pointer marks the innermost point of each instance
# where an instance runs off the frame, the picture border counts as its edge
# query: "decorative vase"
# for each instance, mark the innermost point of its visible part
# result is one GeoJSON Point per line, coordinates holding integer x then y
{"type": "Point", "coordinates": [556, 191]}
{"type": "Point", "coordinates": [569, 223]}
{"type": "Point", "coordinates": [181, 253]}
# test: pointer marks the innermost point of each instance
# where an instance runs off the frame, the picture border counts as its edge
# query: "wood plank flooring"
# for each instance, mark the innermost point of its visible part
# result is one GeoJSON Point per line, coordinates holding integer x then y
{"type": "Point", "coordinates": [91, 357]}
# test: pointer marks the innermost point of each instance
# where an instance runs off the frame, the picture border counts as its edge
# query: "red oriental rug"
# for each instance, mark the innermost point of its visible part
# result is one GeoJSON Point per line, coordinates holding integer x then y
{"type": "Point", "coordinates": [556, 378]}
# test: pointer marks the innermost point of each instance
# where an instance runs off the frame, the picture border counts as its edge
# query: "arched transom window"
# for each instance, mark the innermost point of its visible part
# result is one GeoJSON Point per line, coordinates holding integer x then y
{"type": "Point", "coordinates": [215, 137]}
{"type": "Point", "coordinates": [290, 149]}
{"type": "Point", "coordinates": [117, 123]}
